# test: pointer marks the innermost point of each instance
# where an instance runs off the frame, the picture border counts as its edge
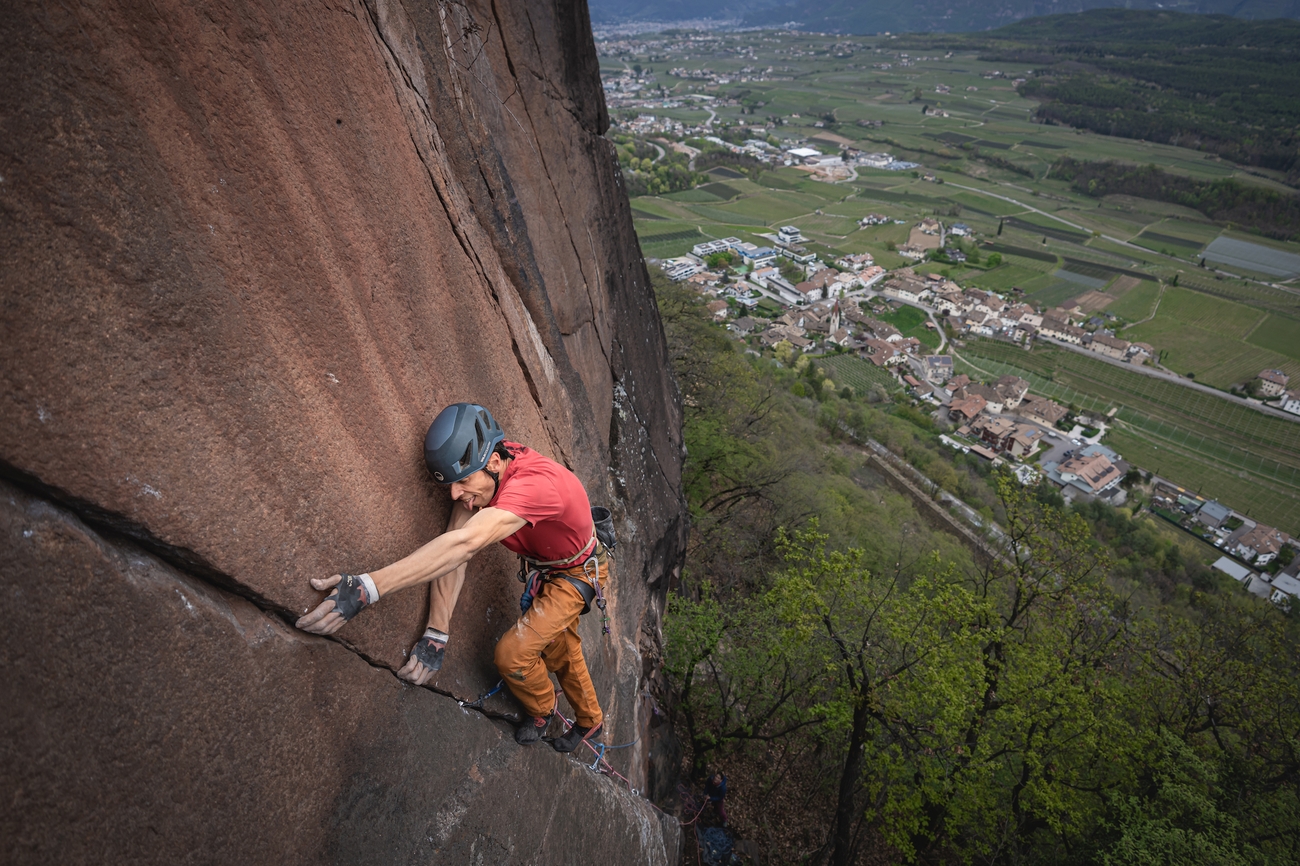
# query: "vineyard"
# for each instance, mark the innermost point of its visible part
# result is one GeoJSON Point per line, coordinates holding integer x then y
{"type": "Point", "coordinates": [858, 374]}
{"type": "Point", "coordinates": [1227, 450]}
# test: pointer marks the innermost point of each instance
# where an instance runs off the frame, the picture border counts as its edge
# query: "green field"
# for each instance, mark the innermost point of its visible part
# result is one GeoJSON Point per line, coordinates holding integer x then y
{"type": "Point", "coordinates": [1206, 336]}
{"type": "Point", "coordinates": [911, 322]}
{"type": "Point", "coordinates": [1278, 334]}
{"type": "Point", "coordinates": [857, 373]}
{"type": "Point", "coordinates": [1136, 304]}
{"type": "Point", "coordinates": [1222, 448]}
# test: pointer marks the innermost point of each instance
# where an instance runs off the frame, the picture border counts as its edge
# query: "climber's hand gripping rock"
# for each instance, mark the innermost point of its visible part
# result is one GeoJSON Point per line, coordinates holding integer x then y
{"type": "Point", "coordinates": [426, 657]}
{"type": "Point", "coordinates": [351, 593]}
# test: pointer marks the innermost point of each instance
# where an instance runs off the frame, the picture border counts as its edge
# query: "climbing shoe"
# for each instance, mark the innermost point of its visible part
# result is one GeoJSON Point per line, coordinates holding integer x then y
{"type": "Point", "coordinates": [531, 729]}
{"type": "Point", "coordinates": [430, 649]}
{"type": "Point", "coordinates": [576, 735]}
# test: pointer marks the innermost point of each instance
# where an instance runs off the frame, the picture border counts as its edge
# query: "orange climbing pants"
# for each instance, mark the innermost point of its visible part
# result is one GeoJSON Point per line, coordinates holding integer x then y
{"type": "Point", "coordinates": [546, 639]}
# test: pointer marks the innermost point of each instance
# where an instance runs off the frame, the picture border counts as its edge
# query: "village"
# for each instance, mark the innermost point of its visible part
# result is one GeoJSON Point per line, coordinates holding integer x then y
{"type": "Point", "coordinates": [837, 309]}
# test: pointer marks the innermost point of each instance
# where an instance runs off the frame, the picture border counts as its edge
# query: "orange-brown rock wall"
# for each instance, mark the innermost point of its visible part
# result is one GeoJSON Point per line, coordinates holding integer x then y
{"type": "Point", "coordinates": [247, 251]}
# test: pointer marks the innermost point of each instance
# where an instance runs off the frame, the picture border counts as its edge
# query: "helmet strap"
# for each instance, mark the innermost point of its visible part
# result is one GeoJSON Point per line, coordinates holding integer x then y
{"type": "Point", "coordinates": [496, 478]}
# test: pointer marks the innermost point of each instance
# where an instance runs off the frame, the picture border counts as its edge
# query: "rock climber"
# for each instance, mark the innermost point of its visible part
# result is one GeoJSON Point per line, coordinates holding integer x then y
{"type": "Point", "coordinates": [716, 790]}
{"type": "Point", "coordinates": [501, 492]}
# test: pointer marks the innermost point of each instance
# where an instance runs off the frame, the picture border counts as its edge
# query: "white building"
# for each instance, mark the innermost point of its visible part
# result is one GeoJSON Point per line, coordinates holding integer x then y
{"type": "Point", "coordinates": [1291, 403]}
{"type": "Point", "coordinates": [1285, 588]}
{"type": "Point", "coordinates": [708, 248]}
{"type": "Point", "coordinates": [679, 269]}
{"type": "Point", "coordinates": [789, 235]}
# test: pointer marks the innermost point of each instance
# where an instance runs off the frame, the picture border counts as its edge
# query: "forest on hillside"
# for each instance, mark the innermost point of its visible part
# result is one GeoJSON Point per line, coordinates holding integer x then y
{"type": "Point", "coordinates": [877, 692]}
{"type": "Point", "coordinates": [1211, 83]}
{"type": "Point", "coordinates": [1268, 211]}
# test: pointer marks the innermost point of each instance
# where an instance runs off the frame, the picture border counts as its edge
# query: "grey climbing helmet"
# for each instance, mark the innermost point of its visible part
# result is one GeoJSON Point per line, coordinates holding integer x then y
{"type": "Point", "coordinates": [460, 441]}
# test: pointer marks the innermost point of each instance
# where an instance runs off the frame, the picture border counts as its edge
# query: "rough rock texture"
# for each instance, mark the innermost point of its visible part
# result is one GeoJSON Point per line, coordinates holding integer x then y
{"type": "Point", "coordinates": [247, 250]}
{"type": "Point", "coordinates": [190, 722]}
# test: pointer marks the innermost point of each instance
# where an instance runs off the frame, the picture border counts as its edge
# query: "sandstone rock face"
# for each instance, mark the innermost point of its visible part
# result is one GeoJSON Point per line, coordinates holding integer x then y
{"type": "Point", "coordinates": [151, 717]}
{"type": "Point", "coordinates": [247, 251]}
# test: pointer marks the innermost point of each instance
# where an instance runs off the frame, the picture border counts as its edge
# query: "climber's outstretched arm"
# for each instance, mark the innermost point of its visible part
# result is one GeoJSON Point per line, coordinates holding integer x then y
{"type": "Point", "coordinates": [447, 552]}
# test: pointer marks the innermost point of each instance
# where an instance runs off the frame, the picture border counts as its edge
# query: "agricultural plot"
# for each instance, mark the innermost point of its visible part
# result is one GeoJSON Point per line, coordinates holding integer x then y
{"type": "Point", "coordinates": [1206, 336]}
{"type": "Point", "coordinates": [1250, 495]}
{"type": "Point", "coordinates": [1279, 334]}
{"type": "Point", "coordinates": [1024, 252]}
{"type": "Point", "coordinates": [721, 190]}
{"type": "Point", "coordinates": [1254, 257]}
{"type": "Point", "coordinates": [858, 374]}
{"type": "Point", "coordinates": [1253, 294]}
{"type": "Point", "coordinates": [1087, 280]}
{"type": "Point", "coordinates": [1036, 225]}
{"type": "Point", "coordinates": [1166, 243]}
{"type": "Point", "coordinates": [1003, 278]}
{"type": "Point", "coordinates": [1136, 303]}
{"type": "Point", "coordinates": [1211, 440]}
{"type": "Point", "coordinates": [1052, 292]}
{"type": "Point", "coordinates": [829, 224]}
{"type": "Point", "coordinates": [731, 216]}
{"type": "Point", "coordinates": [699, 194]}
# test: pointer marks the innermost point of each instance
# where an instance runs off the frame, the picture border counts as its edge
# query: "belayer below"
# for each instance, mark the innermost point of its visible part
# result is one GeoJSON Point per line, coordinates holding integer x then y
{"type": "Point", "coordinates": [502, 492]}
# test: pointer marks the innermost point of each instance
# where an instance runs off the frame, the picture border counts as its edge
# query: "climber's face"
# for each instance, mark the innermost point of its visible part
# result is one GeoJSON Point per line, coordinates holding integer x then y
{"type": "Point", "coordinates": [477, 490]}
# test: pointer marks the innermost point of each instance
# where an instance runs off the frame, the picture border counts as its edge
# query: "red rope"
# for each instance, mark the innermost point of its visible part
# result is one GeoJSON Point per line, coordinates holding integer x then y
{"type": "Point", "coordinates": [608, 768]}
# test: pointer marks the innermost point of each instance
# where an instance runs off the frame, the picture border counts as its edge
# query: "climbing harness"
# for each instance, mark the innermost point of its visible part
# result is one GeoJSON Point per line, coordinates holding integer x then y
{"type": "Point", "coordinates": [354, 592]}
{"type": "Point", "coordinates": [534, 573]}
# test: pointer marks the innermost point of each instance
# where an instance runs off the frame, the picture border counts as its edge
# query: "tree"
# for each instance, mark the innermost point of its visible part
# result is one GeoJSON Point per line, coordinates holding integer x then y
{"type": "Point", "coordinates": [876, 641]}
{"type": "Point", "coordinates": [719, 260]}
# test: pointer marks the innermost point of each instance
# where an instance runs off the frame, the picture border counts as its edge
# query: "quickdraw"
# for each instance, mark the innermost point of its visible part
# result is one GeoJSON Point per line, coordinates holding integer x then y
{"type": "Point", "coordinates": [477, 703]}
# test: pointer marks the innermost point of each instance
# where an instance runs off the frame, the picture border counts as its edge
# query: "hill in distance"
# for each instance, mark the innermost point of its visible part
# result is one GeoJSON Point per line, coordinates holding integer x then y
{"type": "Point", "coordinates": [876, 16]}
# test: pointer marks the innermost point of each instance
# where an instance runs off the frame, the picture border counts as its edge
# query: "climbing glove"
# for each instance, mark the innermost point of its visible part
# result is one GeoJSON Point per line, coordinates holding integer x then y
{"type": "Point", "coordinates": [354, 592]}
{"type": "Point", "coordinates": [347, 595]}
{"type": "Point", "coordinates": [430, 649]}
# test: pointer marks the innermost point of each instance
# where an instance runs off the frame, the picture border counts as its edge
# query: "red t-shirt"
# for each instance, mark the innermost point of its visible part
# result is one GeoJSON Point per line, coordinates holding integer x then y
{"type": "Point", "coordinates": [551, 499]}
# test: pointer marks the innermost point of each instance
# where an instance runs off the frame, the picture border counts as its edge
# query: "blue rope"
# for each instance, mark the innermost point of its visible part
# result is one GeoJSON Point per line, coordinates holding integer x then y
{"type": "Point", "coordinates": [624, 746]}
{"type": "Point", "coordinates": [601, 749]}
{"type": "Point", "coordinates": [478, 702]}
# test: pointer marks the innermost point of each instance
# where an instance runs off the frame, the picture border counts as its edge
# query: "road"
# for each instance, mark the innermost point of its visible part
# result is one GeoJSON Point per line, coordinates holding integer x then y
{"type": "Point", "coordinates": [1160, 374]}
{"type": "Point", "coordinates": [868, 293]}
{"type": "Point", "coordinates": [1051, 216]}
{"type": "Point", "coordinates": [658, 148]}
{"type": "Point", "coordinates": [1177, 380]}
